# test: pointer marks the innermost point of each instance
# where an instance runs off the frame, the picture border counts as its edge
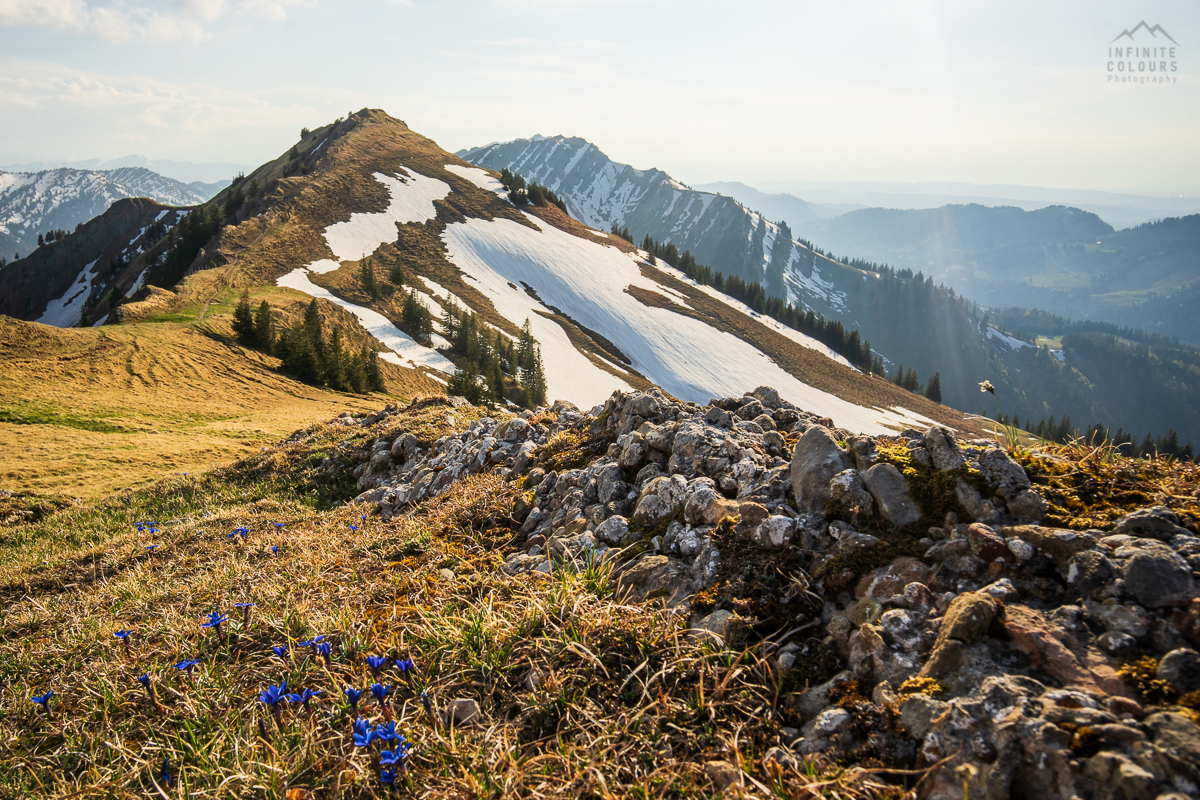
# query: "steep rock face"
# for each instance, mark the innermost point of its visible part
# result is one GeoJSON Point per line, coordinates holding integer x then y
{"type": "Point", "coordinates": [35, 202]}
{"type": "Point", "coordinates": [718, 230]}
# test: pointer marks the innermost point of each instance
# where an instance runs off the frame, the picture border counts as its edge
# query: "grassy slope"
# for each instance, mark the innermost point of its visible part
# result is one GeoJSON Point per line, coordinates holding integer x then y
{"type": "Point", "coordinates": [88, 411]}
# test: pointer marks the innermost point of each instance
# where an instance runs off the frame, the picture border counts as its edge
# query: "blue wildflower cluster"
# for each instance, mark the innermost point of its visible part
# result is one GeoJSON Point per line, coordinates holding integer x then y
{"type": "Point", "coordinates": [393, 747]}
{"type": "Point", "coordinates": [393, 758]}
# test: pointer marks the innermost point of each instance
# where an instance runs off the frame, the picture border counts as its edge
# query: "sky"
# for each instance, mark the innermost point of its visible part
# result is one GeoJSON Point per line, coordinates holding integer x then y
{"type": "Point", "coordinates": [752, 91]}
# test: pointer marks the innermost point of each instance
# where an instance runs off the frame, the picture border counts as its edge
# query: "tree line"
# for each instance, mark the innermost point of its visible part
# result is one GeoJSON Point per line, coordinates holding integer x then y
{"type": "Point", "coordinates": [532, 193]}
{"type": "Point", "coordinates": [306, 351]}
{"type": "Point", "coordinates": [845, 342]}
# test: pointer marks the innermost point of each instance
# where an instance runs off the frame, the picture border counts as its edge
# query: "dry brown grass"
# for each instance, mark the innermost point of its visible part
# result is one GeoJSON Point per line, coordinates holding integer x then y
{"type": "Point", "coordinates": [1092, 486]}
{"type": "Point", "coordinates": [582, 695]}
{"type": "Point", "coordinates": [87, 411]}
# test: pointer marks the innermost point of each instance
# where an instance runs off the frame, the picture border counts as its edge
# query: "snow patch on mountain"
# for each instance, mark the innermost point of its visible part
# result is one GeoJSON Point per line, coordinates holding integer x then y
{"type": "Point", "coordinates": [412, 201]}
{"type": "Point", "coordinates": [67, 310]}
{"type": "Point", "coordinates": [479, 177]}
{"type": "Point", "coordinates": [1014, 343]}
{"type": "Point", "coordinates": [587, 281]}
{"type": "Point", "coordinates": [406, 352]}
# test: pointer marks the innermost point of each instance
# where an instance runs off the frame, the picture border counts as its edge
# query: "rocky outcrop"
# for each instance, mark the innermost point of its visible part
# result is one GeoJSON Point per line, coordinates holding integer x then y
{"type": "Point", "coordinates": [930, 635]}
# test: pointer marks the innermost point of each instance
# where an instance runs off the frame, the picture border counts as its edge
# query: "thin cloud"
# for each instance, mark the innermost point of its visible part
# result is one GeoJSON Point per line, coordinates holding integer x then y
{"type": "Point", "coordinates": [121, 22]}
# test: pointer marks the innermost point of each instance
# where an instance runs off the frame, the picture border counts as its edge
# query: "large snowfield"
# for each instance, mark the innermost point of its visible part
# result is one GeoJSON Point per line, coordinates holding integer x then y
{"type": "Point", "coordinates": [586, 280]}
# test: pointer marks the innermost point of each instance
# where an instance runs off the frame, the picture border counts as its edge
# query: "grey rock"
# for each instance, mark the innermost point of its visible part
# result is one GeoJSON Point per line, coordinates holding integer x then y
{"type": "Point", "coordinates": [1059, 544]}
{"type": "Point", "coordinates": [1003, 473]}
{"type": "Point", "coordinates": [1181, 669]}
{"type": "Point", "coordinates": [462, 711]}
{"type": "Point", "coordinates": [980, 509]}
{"type": "Point", "coordinates": [1158, 578]}
{"type": "Point", "coordinates": [1027, 506]}
{"type": "Point", "coordinates": [943, 448]}
{"type": "Point", "coordinates": [1117, 644]}
{"type": "Point", "coordinates": [1089, 572]}
{"type": "Point", "coordinates": [775, 531]}
{"type": "Point", "coordinates": [816, 460]}
{"type": "Point", "coordinates": [614, 530]}
{"type": "Point", "coordinates": [1158, 522]}
{"type": "Point", "coordinates": [848, 494]}
{"type": "Point", "coordinates": [890, 490]}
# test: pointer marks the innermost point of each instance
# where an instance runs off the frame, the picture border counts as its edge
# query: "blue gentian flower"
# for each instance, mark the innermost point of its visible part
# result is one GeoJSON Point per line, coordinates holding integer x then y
{"type": "Point", "coordinates": [215, 620]}
{"type": "Point", "coordinates": [273, 695]}
{"type": "Point", "coordinates": [352, 696]}
{"type": "Point", "coordinates": [325, 651]}
{"type": "Point", "coordinates": [386, 732]}
{"type": "Point", "coordinates": [381, 692]}
{"type": "Point", "coordinates": [387, 776]}
{"type": "Point", "coordinates": [151, 546]}
{"type": "Point", "coordinates": [148, 685]}
{"type": "Point", "coordinates": [404, 664]}
{"type": "Point", "coordinates": [364, 519]}
{"type": "Point", "coordinates": [278, 525]}
{"type": "Point", "coordinates": [275, 549]}
{"type": "Point", "coordinates": [123, 634]}
{"type": "Point", "coordinates": [353, 528]}
{"type": "Point", "coordinates": [187, 664]}
{"type": "Point", "coordinates": [43, 701]}
{"type": "Point", "coordinates": [166, 772]}
{"type": "Point", "coordinates": [313, 642]}
{"type": "Point", "coordinates": [304, 696]}
{"type": "Point", "coordinates": [244, 605]}
{"type": "Point", "coordinates": [425, 701]}
{"type": "Point", "coordinates": [364, 734]}
{"type": "Point", "coordinates": [376, 663]}
{"type": "Point", "coordinates": [280, 651]}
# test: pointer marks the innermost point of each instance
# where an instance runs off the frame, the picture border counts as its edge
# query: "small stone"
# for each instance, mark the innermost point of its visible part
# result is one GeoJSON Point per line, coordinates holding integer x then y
{"type": "Point", "coordinates": [1021, 549]}
{"type": "Point", "coordinates": [1181, 669]}
{"type": "Point", "coordinates": [723, 774]}
{"type": "Point", "coordinates": [463, 711]}
{"type": "Point", "coordinates": [778, 759]}
{"type": "Point", "coordinates": [775, 531]}
{"type": "Point", "coordinates": [1117, 644]}
{"type": "Point", "coordinates": [614, 530]}
{"type": "Point", "coordinates": [988, 545]}
{"type": "Point", "coordinates": [446, 574]}
{"type": "Point", "coordinates": [1089, 572]}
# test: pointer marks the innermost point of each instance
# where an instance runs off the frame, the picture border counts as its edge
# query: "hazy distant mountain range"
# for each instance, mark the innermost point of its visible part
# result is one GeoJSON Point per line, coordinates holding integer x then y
{"type": "Point", "coordinates": [215, 172]}
{"type": "Point", "coordinates": [33, 203]}
{"type": "Point", "coordinates": [1117, 209]}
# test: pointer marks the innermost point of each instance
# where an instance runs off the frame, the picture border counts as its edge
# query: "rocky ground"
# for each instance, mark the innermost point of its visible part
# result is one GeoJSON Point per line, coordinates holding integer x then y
{"type": "Point", "coordinates": [919, 613]}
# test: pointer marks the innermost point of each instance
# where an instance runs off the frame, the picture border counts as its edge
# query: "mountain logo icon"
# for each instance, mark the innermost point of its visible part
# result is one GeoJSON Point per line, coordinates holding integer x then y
{"type": "Point", "coordinates": [1152, 30]}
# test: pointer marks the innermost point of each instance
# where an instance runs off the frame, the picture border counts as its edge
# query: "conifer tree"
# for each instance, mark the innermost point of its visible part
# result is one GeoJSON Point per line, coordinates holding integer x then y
{"type": "Point", "coordinates": [264, 328]}
{"type": "Point", "coordinates": [396, 273]}
{"type": "Point", "coordinates": [373, 371]}
{"type": "Point", "coordinates": [243, 322]}
{"type": "Point", "coordinates": [933, 389]}
{"type": "Point", "coordinates": [367, 277]}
